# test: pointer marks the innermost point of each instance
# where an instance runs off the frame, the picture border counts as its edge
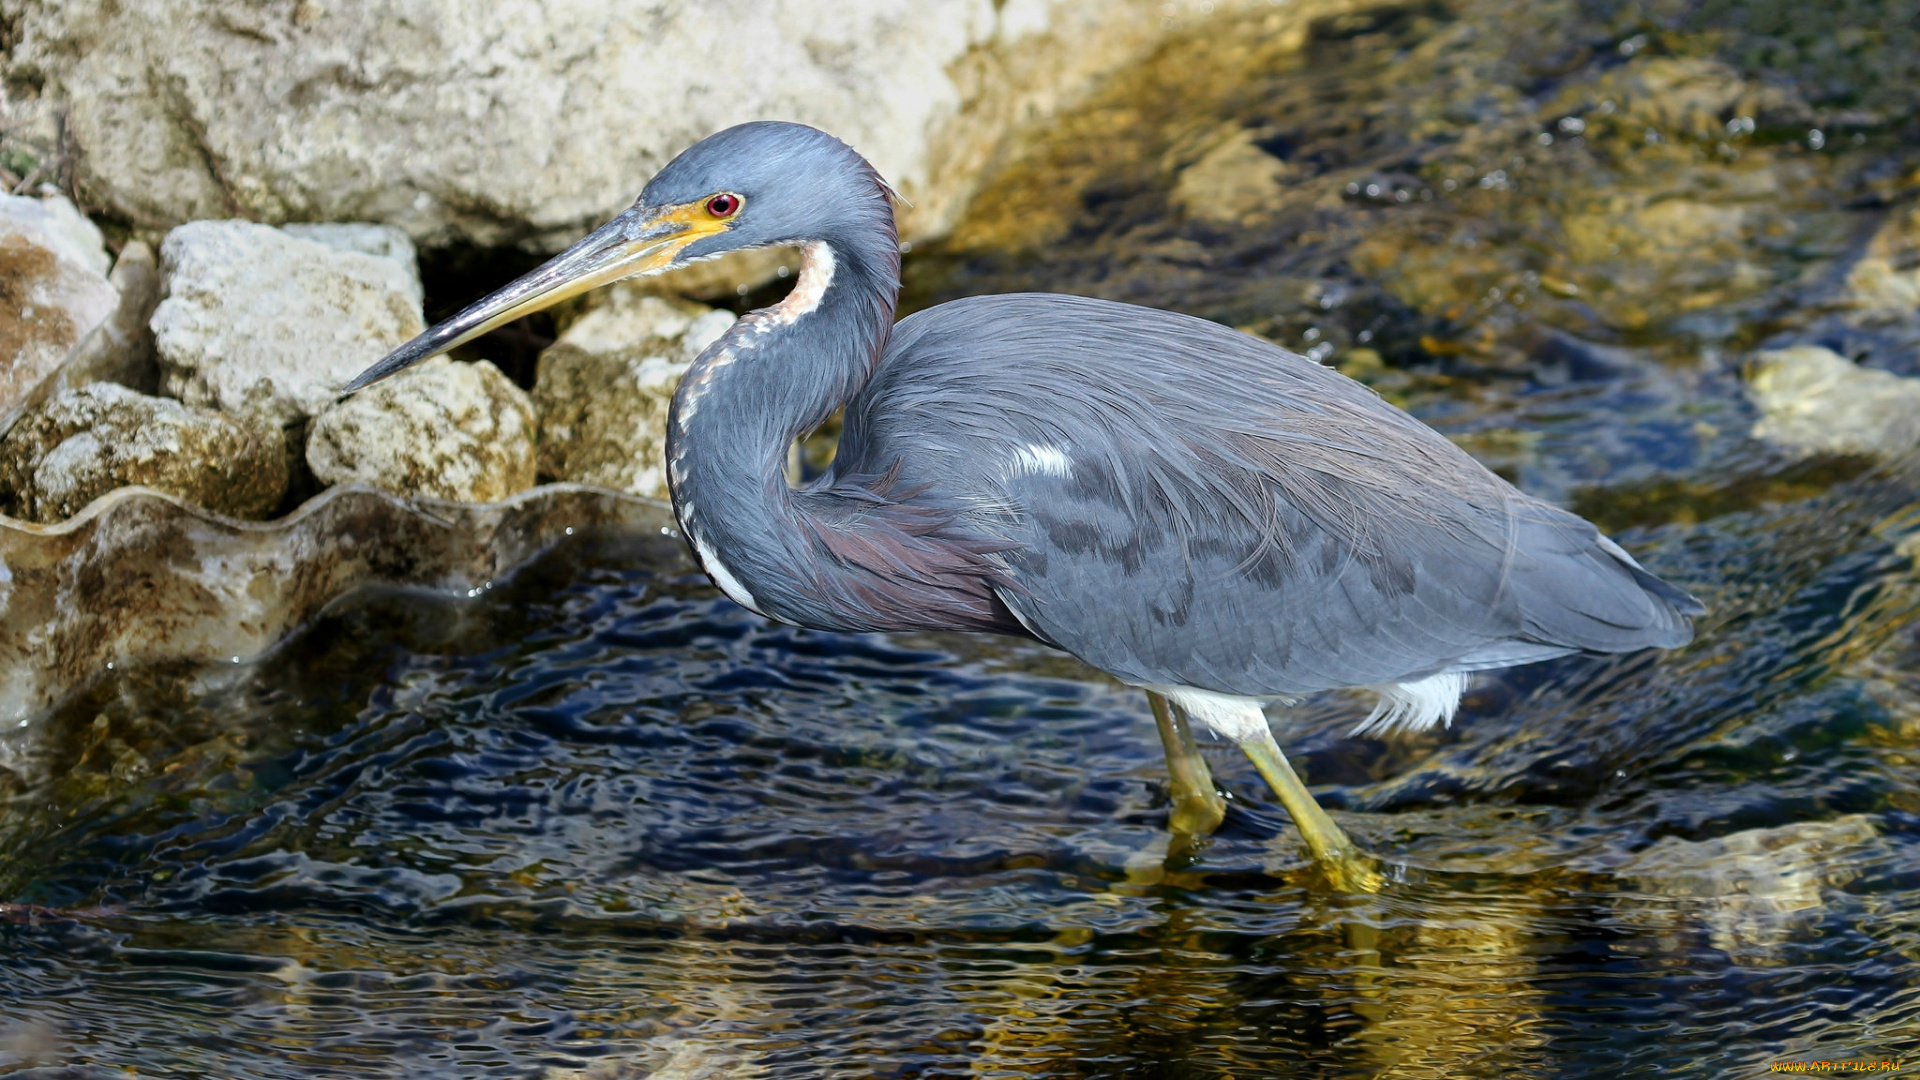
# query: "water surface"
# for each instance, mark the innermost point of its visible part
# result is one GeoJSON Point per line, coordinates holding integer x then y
{"type": "Point", "coordinates": [597, 821]}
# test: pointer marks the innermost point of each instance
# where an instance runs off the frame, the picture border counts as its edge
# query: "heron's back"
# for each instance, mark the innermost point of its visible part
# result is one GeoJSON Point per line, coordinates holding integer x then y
{"type": "Point", "coordinates": [1183, 504]}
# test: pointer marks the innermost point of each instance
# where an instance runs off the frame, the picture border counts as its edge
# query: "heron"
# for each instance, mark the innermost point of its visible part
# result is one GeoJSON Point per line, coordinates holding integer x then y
{"type": "Point", "coordinates": [1193, 510]}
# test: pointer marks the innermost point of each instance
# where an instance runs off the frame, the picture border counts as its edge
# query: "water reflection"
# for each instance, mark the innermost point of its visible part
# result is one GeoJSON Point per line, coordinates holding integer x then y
{"type": "Point", "coordinates": [601, 823]}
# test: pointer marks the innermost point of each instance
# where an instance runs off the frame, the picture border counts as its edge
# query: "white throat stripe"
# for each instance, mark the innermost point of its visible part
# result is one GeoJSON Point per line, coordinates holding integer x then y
{"type": "Point", "coordinates": [816, 274]}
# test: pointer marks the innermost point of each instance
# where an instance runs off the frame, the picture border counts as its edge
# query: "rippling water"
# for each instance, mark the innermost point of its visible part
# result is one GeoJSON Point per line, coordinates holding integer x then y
{"type": "Point", "coordinates": [600, 822]}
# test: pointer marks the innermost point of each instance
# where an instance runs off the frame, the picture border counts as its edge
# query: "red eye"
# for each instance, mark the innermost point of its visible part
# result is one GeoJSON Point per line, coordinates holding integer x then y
{"type": "Point", "coordinates": [723, 206]}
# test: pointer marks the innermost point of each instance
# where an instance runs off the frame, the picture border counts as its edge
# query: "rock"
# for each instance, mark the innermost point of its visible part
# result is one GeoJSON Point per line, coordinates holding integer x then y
{"type": "Point", "coordinates": [84, 443]}
{"type": "Point", "coordinates": [259, 323]}
{"type": "Point", "coordinates": [143, 579]}
{"type": "Point", "coordinates": [461, 432]}
{"type": "Point", "coordinates": [367, 238]}
{"type": "Point", "coordinates": [494, 122]}
{"type": "Point", "coordinates": [1789, 862]}
{"type": "Point", "coordinates": [1871, 313]}
{"type": "Point", "coordinates": [629, 317]}
{"type": "Point", "coordinates": [64, 228]}
{"type": "Point", "coordinates": [1751, 891]}
{"type": "Point", "coordinates": [1684, 95]}
{"type": "Point", "coordinates": [1816, 401]}
{"type": "Point", "coordinates": [119, 349]}
{"type": "Point", "coordinates": [692, 1057]}
{"type": "Point", "coordinates": [1878, 286]}
{"type": "Point", "coordinates": [1656, 229]}
{"type": "Point", "coordinates": [1231, 182]}
{"type": "Point", "coordinates": [53, 289]}
{"type": "Point", "coordinates": [603, 388]}
{"type": "Point", "coordinates": [1884, 285]}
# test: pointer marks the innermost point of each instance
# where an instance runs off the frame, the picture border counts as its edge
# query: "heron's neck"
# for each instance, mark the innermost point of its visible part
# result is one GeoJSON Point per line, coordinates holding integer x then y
{"type": "Point", "coordinates": [777, 375]}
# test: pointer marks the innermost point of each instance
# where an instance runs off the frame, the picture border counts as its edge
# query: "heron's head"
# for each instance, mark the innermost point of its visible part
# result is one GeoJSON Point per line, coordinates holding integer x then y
{"type": "Point", "coordinates": [755, 185]}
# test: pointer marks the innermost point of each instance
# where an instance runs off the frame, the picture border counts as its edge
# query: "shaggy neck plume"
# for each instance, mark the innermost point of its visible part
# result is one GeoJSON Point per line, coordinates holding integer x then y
{"type": "Point", "coordinates": [777, 375]}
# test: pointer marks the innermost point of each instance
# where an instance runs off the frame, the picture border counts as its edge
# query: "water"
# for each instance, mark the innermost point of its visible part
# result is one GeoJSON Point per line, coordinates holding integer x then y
{"type": "Point", "coordinates": [600, 822]}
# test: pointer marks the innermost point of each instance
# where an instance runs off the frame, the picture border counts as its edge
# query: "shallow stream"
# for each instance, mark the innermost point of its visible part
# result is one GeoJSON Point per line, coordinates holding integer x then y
{"type": "Point", "coordinates": [597, 821]}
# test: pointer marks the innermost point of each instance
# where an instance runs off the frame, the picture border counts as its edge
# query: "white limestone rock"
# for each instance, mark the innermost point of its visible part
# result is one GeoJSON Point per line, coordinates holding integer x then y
{"type": "Point", "coordinates": [602, 390]}
{"type": "Point", "coordinates": [86, 442]}
{"type": "Point", "coordinates": [500, 121]}
{"type": "Point", "coordinates": [1814, 400]}
{"type": "Point", "coordinates": [259, 323]}
{"type": "Point", "coordinates": [368, 238]}
{"type": "Point", "coordinates": [65, 228]}
{"type": "Point", "coordinates": [442, 430]}
{"type": "Point", "coordinates": [53, 289]}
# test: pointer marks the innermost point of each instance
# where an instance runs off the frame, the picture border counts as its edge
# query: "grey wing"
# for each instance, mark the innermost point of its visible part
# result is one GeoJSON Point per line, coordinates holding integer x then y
{"type": "Point", "coordinates": [1187, 505]}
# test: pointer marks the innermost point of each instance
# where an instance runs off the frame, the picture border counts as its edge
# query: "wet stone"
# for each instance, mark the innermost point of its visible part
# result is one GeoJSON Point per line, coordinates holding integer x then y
{"type": "Point", "coordinates": [1814, 400]}
{"type": "Point", "coordinates": [1750, 891]}
{"type": "Point", "coordinates": [603, 389]}
{"type": "Point", "coordinates": [443, 430]}
{"type": "Point", "coordinates": [53, 289]}
{"type": "Point", "coordinates": [1232, 181]}
{"type": "Point", "coordinates": [257, 322]}
{"type": "Point", "coordinates": [1689, 95]}
{"type": "Point", "coordinates": [84, 443]}
{"type": "Point", "coordinates": [118, 350]}
{"type": "Point", "coordinates": [1885, 283]}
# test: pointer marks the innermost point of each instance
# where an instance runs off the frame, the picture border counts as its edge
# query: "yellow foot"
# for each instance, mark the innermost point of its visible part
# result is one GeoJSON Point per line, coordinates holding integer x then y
{"type": "Point", "coordinates": [1347, 868]}
{"type": "Point", "coordinates": [1198, 807]}
{"type": "Point", "coordinates": [1354, 873]}
{"type": "Point", "coordinates": [1196, 816]}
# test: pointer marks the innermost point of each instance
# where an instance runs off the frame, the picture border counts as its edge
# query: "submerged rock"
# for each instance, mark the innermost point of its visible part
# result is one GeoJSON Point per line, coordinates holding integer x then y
{"type": "Point", "coordinates": [53, 289]}
{"type": "Point", "coordinates": [603, 388]}
{"type": "Point", "coordinates": [442, 430]}
{"type": "Point", "coordinates": [1688, 95]}
{"type": "Point", "coordinates": [1816, 401]}
{"type": "Point", "coordinates": [1751, 891]}
{"type": "Point", "coordinates": [263, 324]}
{"type": "Point", "coordinates": [1885, 283]}
{"type": "Point", "coordinates": [1232, 181]}
{"type": "Point", "coordinates": [84, 443]}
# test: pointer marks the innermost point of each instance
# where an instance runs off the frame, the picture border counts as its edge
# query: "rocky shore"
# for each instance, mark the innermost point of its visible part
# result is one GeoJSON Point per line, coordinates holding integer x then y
{"type": "Point", "coordinates": [260, 184]}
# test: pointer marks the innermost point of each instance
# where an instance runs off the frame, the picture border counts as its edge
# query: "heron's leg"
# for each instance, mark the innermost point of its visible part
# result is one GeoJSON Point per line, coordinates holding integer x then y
{"type": "Point", "coordinates": [1345, 864]}
{"type": "Point", "coordinates": [1197, 805]}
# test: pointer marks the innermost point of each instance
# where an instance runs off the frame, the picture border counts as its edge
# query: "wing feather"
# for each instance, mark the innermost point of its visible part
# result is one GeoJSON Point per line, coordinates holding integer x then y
{"type": "Point", "coordinates": [1228, 515]}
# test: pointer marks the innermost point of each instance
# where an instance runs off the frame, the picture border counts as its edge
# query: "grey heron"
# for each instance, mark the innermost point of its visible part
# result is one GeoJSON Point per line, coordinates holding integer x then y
{"type": "Point", "coordinates": [1190, 509]}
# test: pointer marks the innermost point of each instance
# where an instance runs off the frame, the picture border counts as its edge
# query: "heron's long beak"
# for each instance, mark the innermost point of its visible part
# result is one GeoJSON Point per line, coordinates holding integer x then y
{"type": "Point", "coordinates": [641, 240]}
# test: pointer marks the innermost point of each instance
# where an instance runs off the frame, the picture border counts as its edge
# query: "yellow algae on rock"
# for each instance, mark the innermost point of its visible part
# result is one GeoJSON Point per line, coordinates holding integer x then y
{"type": "Point", "coordinates": [442, 429]}
{"type": "Point", "coordinates": [84, 443]}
